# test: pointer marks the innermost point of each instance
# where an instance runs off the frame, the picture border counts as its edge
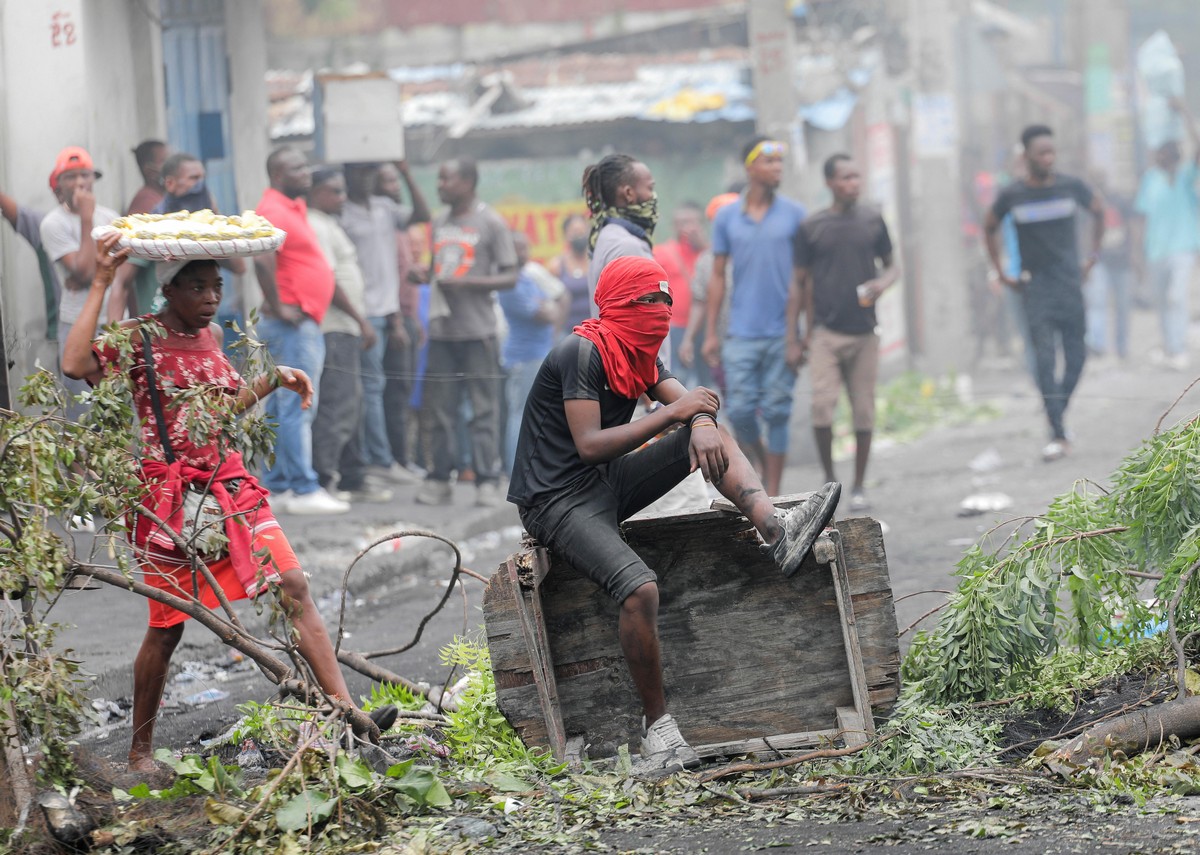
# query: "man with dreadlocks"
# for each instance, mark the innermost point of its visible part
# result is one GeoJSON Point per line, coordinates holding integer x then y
{"type": "Point", "coordinates": [582, 467]}
{"type": "Point", "coordinates": [619, 192]}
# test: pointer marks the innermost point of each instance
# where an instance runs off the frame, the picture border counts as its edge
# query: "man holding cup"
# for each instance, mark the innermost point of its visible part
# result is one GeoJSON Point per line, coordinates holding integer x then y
{"type": "Point", "coordinates": [844, 263]}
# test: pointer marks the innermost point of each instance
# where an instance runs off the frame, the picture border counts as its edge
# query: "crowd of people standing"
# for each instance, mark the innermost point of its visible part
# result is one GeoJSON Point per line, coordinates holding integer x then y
{"type": "Point", "coordinates": [424, 333]}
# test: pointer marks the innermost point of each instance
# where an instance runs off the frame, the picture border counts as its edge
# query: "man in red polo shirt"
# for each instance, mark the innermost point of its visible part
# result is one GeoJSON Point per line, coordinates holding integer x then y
{"type": "Point", "coordinates": [297, 287]}
{"type": "Point", "coordinates": [678, 258]}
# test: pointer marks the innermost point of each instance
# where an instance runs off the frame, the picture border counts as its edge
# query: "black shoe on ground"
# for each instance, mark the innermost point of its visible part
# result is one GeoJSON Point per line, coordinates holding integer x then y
{"type": "Point", "coordinates": [384, 717]}
{"type": "Point", "coordinates": [802, 525]}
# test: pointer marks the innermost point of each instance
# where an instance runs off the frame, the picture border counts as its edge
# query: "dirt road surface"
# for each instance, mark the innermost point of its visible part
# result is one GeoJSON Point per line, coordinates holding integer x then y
{"type": "Point", "coordinates": [916, 490]}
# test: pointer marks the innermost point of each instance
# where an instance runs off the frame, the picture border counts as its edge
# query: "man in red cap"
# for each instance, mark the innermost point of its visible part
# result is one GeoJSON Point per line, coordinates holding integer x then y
{"type": "Point", "coordinates": [66, 234]}
{"type": "Point", "coordinates": [582, 467]}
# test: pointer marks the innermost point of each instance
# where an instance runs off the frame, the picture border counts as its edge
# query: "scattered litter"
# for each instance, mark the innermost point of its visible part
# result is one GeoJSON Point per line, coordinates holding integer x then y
{"type": "Point", "coordinates": [982, 503]}
{"type": "Point", "coordinates": [986, 461]}
{"type": "Point", "coordinates": [226, 737]}
{"type": "Point", "coordinates": [421, 744]}
{"type": "Point", "coordinates": [208, 696]}
{"type": "Point", "coordinates": [250, 757]}
{"type": "Point", "coordinates": [471, 828]}
{"type": "Point", "coordinates": [109, 711]}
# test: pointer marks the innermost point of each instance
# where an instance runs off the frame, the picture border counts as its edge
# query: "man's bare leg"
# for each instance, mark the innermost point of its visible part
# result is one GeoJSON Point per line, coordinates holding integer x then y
{"type": "Point", "coordinates": [756, 453]}
{"type": "Point", "coordinates": [773, 472]}
{"type": "Point", "coordinates": [638, 632]}
{"type": "Point", "coordinates": [862, 454]}
{"type": "Point", "coordinates": [149, 680]}
{"type": "Point", "coordinates": [824, 439]}
{"type": "Point", "coordinates": [742, 486]}
{"type": "Point", "coordinates": [791, 534]}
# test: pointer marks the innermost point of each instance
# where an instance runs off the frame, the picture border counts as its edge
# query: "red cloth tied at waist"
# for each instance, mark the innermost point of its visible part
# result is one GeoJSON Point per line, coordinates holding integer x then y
{"type": "Point", "coordinates": [244, 508]}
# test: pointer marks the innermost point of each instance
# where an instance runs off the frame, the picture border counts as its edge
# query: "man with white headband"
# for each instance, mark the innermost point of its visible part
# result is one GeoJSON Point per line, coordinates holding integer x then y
{"type": "Point", "coordinates": [756, 237]}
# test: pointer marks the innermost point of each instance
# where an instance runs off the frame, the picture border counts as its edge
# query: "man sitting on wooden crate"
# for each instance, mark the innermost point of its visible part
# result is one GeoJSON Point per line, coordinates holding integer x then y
{"type": "Point", "coordinates": [582, 468]}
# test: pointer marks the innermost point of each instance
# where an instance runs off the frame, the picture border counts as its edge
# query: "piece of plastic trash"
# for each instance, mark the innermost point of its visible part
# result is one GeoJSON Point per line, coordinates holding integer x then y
{"type": "Point", "coordinates": [983, 503]}
{"type": "Point", "coordinates": [986, 461]}
{"type": "Point", "coordinates": [208, 696]}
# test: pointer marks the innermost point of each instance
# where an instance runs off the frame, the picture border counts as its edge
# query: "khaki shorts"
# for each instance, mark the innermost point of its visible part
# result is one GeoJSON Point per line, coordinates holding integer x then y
{"type": "Point", "coordinates": [834, 358]}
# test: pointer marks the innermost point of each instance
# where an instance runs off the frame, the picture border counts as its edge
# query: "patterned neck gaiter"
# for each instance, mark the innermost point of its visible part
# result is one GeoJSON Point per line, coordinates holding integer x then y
{"type": "Point", "coordinates": [644, 215]}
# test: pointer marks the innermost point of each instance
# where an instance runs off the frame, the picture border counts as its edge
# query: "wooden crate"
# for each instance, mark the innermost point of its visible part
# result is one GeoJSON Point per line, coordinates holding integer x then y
{"type": "Point", "coordinates": [751, 659]}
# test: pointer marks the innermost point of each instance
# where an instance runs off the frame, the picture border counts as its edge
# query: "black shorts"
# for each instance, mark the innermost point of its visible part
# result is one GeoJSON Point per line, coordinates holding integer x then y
{"type": "Point", "coordinates": [580, 526]}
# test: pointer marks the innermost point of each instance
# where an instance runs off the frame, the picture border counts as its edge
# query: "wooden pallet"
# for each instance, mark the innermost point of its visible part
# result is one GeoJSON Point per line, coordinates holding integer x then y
{"type": "Point", "coordinates": [751, 660]}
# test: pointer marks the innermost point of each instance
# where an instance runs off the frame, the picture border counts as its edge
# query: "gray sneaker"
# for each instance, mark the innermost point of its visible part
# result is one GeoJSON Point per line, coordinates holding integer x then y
{"type": "Point", "coordinates": [801, 526]}
{"type": "Point", "coordinates": [487, 495]}
{"type": "Point", "coordinates": [434, 493]}
{"type": "Point", "coordinates": [664, 748]}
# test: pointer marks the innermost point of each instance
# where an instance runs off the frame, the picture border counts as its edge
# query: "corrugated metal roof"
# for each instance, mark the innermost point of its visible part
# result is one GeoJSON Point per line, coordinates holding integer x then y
{"type": "Point", "coordinates": [679, 92]}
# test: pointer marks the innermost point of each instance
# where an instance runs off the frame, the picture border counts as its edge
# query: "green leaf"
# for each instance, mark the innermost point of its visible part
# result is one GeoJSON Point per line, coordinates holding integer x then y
{"type": "Point", "coordinates": [353, 773]}
{"type": "Point", "coordinates": [505, 783]}
{"type": "Point", "coordinates": [304, 809]}
{"type": "Point", "coordinates": [421, 785]}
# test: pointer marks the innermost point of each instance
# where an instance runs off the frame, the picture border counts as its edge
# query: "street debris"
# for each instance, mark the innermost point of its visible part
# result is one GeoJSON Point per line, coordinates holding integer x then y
{"type": "Point", "coordinates": [983, 503]}
{"type": "Point", "coordinates": [986, 461]}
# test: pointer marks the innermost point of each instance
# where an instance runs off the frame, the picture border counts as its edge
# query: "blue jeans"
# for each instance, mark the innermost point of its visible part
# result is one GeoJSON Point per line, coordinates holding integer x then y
{"type": "Point", "coordinates": [301, 346]}
{"type": "Point", "coordinates": [1102, 283]}
{"type": "Point", "coordinates": [516, 389]}
{"type": "Point", "coordinates": [758, 384]}
{"type": "Point", "coordinates": [376, 448]}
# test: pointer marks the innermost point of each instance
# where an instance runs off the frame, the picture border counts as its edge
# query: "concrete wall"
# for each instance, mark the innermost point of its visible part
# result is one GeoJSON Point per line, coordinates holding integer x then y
{"type": "Point", "coordinates": [100, 87]}
{"type": "Point", "coordinates": [245, 37]}
{"type": "Point", "coordinates": [91, 77]}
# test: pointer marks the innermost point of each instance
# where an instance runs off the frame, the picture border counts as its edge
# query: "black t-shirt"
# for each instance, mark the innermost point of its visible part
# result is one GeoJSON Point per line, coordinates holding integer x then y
{"type": "Point", "coordinates": [547, 462]}
{"type": "Point", "coordinates": [1046, 223]}
{"type": "Point", "coordinates": [840, 250]}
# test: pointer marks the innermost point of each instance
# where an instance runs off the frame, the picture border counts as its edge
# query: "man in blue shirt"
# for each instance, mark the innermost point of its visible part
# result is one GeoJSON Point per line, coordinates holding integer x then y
{"type": "Point", "coordinates": [1168, 237]}
{"type": "Point", "coordinates": [533, 314]}
{"type": "Point", "coordinates": [756, 235]}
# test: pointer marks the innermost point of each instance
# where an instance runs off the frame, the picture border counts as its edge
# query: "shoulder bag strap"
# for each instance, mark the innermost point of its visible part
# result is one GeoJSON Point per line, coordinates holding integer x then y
{"type": "Point", "coordinates": [155, 399]}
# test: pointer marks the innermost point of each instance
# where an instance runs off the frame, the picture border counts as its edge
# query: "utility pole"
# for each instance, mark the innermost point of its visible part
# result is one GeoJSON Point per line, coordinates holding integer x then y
{"type": "Point", "coordinates": [938, 273]}
{"type": "Point", "coordinates": [1106, 70]}
{"type": "Point", "coordinates": [772, 59]}
{"type": "Point", "coordinates": [5, 395]}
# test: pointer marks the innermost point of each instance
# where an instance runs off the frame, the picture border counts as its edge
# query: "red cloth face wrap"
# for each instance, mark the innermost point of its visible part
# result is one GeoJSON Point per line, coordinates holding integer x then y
{"type": "Point", "coordinates": [629, 334]}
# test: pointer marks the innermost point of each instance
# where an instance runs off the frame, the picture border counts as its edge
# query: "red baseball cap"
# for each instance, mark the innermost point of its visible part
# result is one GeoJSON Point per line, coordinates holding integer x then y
{"type": "Point", "coordinates": [70, 158]}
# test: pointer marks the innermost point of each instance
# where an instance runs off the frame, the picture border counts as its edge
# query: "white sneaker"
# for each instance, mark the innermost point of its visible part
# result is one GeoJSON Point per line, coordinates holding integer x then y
{"type": "Point", "coordinates": [316, 503]}
{"type": "Point", "coordinates": [395, 473]}
{"type": "Point", "coordinates": [1056, 450]}
{"type": "Point", "coordinates": [664, 746]}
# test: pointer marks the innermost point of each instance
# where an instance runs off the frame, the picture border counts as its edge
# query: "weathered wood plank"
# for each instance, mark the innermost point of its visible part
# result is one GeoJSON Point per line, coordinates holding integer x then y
{"type": "Point", "coordinates": [854, 662]}
{"type": "Point", "coordinates": [534, 633]}
{"type": "Point", "coordinates": [854, 729]}
{"type": "Point", "coordinates": [747, 654]}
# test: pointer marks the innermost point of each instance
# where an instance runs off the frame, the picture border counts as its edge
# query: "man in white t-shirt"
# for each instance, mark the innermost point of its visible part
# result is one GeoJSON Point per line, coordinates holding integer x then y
{"type": "Point", "coordinates": [66, 233]}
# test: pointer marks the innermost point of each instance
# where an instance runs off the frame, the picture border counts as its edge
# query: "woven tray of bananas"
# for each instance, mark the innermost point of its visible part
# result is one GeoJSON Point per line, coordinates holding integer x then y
{"type": "Point", "coordinates": [194, 234]}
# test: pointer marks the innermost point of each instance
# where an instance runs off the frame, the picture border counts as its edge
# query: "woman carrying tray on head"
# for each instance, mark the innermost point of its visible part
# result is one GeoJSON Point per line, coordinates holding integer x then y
{"type": "Point", "coordinates": [187, 354]}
